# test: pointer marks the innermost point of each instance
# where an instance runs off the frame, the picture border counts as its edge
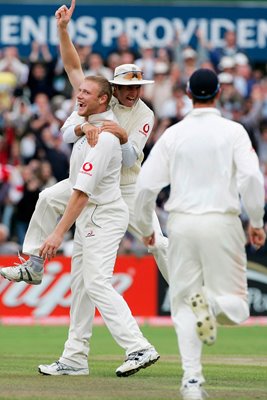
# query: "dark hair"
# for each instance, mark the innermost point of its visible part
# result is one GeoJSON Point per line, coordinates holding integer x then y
{"type": "Point", "coordinates": [103, 84]}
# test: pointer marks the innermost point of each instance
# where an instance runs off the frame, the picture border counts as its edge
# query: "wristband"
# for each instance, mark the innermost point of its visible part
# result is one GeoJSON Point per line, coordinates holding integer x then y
{"type": "Point", "coordinates": [83, 124]}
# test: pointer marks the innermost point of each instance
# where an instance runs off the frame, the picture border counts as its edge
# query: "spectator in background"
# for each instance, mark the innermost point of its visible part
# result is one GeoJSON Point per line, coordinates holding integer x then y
{"type": "Point", "coordinates": [229, 49]}
{"type": "Point", "coordinates": [238, 66]}
{"type": "Point", "coordinates": [263, 84]}
{"type": "Point", "coordinates": [46, 175]}
{"type": "Point", "coordinates": [176, 75]}
{"type": "Point", "coordinates": [122, 46]}
{"type": "Point", "coordinates": [42, 117]}
{"type": "Point", "coordinates": [42, 71]}
{"type": "Point", "coordinates": [61, 83]}
{"type": "Point", "coordinates": [8, 82]}
{"type": "Point", "coordinates": [7, 246]}
{"type": "Point", "coordinates": [84, 54]}
{"type": "Point", "coordinates": [7, 139]}
{"type": "Point", "coordinates": [28, 147]}
{"type": "Point", "coordinates": [249, 114]}
{"type": "Point", "coordinates": [230, 97]}
{"type": "Point", "coordinates": [96, 66]}
{"type": "Point", "coordinates": [164, 55]}
{"type": "Point", "coordinates": [188, 58]}
{"type": "Point", "coordinates": [5, 171]}
{"type": "Point", "coordinates": [113, 61]}
{"type": "Point", "coordinates": [25, 206]}
{"type": "Point", "coordinates": [146, 61]}
{"type": "Point", "coordinates": [262, 144]}
{"type": "Point", "coordinates": [161, 91]}
{"type": "Point", "coordinates": [188, 62]}
{"type": "Point", "coordinates": [244, 79]}
{"type": "Point", "coordinates": [12, 63]}
{"type": "Point", "coordinates": [53, 150]}
{"type": "Point", "coordinates": [127, 57]}
{"type": "Point", "coordinates": [20, 114]}
{"type": "Point", "coordinates": [10, 193]}
{"type": "Point", "coordinates": [178, 105]}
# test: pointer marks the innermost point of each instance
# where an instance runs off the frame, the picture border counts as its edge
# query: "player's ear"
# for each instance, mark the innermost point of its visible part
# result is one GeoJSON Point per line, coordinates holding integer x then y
{"type": "Point", "coordinates": [103, 99]}
{"type": "Point", "coordinates": [189, 94]}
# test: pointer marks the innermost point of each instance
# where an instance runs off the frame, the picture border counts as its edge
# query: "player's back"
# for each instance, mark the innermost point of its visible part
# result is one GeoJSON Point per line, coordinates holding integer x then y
{"type": "Point", "coordinates": [202, 166]}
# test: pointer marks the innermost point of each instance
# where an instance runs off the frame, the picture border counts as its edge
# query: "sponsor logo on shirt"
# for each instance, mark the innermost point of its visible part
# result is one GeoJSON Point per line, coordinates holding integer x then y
{"type": "Point", "coordinates": [90, 234]}
{"type": "Point", "coordinates": [86, 168]}
{"type": "Point", "coordinates": [145, 129]}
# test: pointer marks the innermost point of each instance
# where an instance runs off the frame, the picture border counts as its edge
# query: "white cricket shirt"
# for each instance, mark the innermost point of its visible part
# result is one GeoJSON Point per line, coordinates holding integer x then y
{"type": "Point", "coordinates": [209, 161]}
{"type": "Point", "coordinates": [96, 170]}
{"type": "Point", "coordinates": [138, 122]}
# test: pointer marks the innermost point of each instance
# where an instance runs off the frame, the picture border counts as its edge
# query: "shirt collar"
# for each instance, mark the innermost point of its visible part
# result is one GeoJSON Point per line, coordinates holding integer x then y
{"type": "Point", "coordinates": [99, 118]}
{"type": "Point", "coordinates": [204, 110]}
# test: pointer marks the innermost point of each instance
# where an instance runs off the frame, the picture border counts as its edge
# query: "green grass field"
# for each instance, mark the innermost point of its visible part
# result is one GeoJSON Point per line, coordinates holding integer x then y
{"type": "Point", "coordinates": [235, 367]}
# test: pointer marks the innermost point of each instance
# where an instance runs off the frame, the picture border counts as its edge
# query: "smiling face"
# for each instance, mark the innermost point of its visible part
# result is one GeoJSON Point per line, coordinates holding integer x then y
{"type": "Point", "coordinates": [127, 95]}
{"type": "Point", "coordinates": [89, 99]}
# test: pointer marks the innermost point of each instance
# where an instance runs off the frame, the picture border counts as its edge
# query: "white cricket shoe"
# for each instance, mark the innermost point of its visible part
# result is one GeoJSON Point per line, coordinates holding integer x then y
{"type": "Point", "coordinates": [192, 390]}
{"type": "Point", "coordinates": [22, 272]}
{"type": "Point", "coordinates": [137, 360]}
{"type": "Point", "coordinates": [58, 368]}
{"type": "Point", "coordinates": [206, 322]}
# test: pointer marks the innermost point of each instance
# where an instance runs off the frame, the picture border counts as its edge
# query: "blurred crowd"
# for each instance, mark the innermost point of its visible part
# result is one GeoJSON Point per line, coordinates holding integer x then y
{"type": "Point", "coordinates": [36, 98]}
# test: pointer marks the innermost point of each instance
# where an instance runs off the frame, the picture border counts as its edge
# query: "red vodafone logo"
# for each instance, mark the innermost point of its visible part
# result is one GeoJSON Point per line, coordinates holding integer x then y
{"type": "Point", "coordinates": [146, 128]}
{"type": "Point", "coordinates": [87, 167]}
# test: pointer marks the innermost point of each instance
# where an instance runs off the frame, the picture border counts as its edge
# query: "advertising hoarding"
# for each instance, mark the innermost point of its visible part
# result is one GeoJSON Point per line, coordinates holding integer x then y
{"type": "Point", "coordinates": [100, 26]}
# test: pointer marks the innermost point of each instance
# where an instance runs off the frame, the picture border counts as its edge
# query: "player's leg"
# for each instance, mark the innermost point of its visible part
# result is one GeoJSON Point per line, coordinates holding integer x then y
{"type": "Point", "coordinates": [74, 359]}
{"type": "Point", "coordinates": [160, 249]}
{"type": "Point", "coordinates": [102, 235]}
{"type": "Point", "coordinates": [49, 207]}
{"type": "Point", "coordinates": [225, 279]}
{"type": "Point", "coordinates": [186, 278]}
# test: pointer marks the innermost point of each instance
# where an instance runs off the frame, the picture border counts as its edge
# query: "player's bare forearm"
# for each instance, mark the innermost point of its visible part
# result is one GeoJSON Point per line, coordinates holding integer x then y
{"type": "Point", "coordinates": [69, 55]}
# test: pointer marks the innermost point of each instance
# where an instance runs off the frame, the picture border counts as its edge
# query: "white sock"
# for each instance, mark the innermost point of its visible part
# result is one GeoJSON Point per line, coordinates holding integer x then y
{"type": "Point", "coordinates": [37, 263]}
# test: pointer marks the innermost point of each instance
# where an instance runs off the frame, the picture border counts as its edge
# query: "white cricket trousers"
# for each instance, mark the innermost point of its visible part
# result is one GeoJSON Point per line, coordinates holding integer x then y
{"type": "Point", "coordinates": [99, 230]}
{"type": "Point", "coordinates": [206, 252]}
{"type": "Point", "coordinates": [49, 208]}
{"type": "Point", "coordinates": [51, 205]}
{"type": "Point", "coordinates": [160, 249]}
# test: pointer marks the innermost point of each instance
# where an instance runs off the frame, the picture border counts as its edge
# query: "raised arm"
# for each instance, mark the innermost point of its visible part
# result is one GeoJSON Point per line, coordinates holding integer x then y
{"type": "Point", "coordinates": [69, 55]}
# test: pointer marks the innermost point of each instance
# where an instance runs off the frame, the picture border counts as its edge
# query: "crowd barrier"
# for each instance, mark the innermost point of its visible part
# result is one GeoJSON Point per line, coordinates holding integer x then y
{"type": "Point", "coordinates": [137, 279]}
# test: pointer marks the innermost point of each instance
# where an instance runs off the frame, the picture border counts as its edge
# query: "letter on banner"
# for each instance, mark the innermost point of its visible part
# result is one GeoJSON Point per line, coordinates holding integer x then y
{"type": "Point", "coordinates": [112, 28]}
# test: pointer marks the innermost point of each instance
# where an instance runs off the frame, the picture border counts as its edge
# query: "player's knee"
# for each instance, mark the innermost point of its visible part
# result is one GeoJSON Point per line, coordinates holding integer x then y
{"type": "Point", "coordinates": [45, 197]}
{"type": "Point", "coordinates": [95, 285]}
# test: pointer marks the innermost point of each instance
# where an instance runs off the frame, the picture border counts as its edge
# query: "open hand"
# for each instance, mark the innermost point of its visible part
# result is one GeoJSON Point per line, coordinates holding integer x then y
{"type": "Point", "coordinates": [50, 246]}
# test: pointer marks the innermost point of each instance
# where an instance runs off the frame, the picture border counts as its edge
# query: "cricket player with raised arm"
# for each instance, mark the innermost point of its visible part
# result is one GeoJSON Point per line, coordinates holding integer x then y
{"type": "Point", "coordinates": [133, 126]}
{"type": "Point", "coordinates": [101, 217]}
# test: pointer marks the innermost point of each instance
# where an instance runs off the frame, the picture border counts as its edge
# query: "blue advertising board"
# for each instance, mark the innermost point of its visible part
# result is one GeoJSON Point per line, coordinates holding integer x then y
{"type": "Point", "coordinates": [100, 25]}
